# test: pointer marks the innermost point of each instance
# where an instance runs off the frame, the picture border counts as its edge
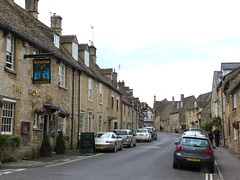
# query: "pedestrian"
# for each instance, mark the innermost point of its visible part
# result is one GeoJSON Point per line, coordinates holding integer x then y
{"type": "Point", "coordinates": [210, 136]}
{"type": "Point", "coordinates": [217, 135]}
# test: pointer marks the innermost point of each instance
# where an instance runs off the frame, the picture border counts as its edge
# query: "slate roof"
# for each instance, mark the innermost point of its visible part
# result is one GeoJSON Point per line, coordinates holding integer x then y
{"type": "Point", "coordinates": [229, 66]}
{"type": "Point", "coordinates": [68, 39]}
{"type": "Point", "coordinates": [17, 21]}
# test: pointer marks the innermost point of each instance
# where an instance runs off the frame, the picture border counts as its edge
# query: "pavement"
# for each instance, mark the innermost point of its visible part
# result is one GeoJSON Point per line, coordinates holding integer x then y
{"type": "Point", "coordinates": [227, 163]}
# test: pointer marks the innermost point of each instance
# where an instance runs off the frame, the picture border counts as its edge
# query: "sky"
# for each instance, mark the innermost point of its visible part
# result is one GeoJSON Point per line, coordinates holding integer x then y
{"type": "Point", "coordinates": [158, 47]}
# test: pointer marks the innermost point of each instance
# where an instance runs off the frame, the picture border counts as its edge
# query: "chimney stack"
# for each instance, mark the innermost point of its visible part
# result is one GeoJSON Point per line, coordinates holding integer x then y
{"type": "Point", "coordinates": [56, 23]}
{"type": "Point", "coordinates": [173, 102]}
{"type": "Point", "coordinates": [93, 52]}
{"type": "Point", "coordinates": [121, 84]}
{"type": "Point", "coordinates": [182, 97]}
{"type": "Point", "coordinates": [32, 7]}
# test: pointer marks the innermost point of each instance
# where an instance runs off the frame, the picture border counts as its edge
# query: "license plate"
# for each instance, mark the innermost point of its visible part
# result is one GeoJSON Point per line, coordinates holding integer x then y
{"type": "Point", "coordinates": [141, 135]}
{"type": "Point", "coordinates": [193, 159]}
{"type": "Point", "coordinates": [98, 146]}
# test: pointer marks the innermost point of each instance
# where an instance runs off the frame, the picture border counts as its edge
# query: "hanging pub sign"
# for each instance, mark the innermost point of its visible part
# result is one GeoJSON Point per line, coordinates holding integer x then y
{"type": "Point", "coordinates": [42, 71]}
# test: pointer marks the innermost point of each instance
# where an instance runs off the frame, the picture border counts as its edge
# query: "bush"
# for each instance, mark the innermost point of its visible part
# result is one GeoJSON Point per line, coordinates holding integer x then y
{"type": "Point", "coordinates": [7, 141]}
{"type": "Point", "coordinates": [60, 139]}
{"type": "Point", "coordinates": [207, 125]}
{"type": "Point", "coordinates": [46, 144]}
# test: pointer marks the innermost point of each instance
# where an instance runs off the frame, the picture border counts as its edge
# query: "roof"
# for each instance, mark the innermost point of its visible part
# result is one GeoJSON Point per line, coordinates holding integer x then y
{"type": "Point", "coordinates": [229, 66]}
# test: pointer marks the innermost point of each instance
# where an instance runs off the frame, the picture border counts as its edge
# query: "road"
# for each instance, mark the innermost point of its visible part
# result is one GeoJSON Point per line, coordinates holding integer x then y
{"type": "Point", "coordinates": [147, 161]}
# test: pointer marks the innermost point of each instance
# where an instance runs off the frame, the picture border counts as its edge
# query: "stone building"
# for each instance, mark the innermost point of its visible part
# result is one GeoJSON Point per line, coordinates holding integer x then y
{"type": "Point", "coordinates": [45, 75]}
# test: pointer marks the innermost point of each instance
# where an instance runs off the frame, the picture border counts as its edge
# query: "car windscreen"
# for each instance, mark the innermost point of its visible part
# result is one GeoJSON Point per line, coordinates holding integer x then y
{"type": "Point", "coordinates": [103, 135]}
{"type": "Point", "coordinates": [120, 132]}
{"type": "Point", "coordinates": [141, 131]}
{"type": "Point", "coordinates": [194, 142]}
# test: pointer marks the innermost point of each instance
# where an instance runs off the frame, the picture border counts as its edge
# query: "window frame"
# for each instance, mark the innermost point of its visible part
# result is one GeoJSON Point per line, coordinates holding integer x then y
{"type": "Point", "coordinates": [90, 89]}
{"type": "Point", "coordinates": [12, 117]}
{"type": "Point", "coordinates": [100, 117]}
{"type": "Point", "coordinates": [75, 51]}
{"type": "Point", "coordinates": [100, 93]}
{"type": "Point", "coordinates": [63, 124]}
{"type": "Point", "coordinates": [234, 101]}
{"type": "Point", "coordinates": [62, 75]}
{"type": "Point", "coordinates": [56, 40]}
{"type": "Point", "coordinates": [10, 53]}
{"type": "Point", "coordinates": [81, 123]}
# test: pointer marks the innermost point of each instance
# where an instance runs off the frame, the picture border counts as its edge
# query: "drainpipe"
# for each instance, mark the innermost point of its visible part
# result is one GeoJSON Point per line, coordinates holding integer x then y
{"type": "Point", "coordinates": [223, 131]}
{"type": "Point", "coordinates": [78, 107]}
{"type": "Point", "coordinates": [132, 119]}
{"type": "Point", "coordinates": [72, 107]}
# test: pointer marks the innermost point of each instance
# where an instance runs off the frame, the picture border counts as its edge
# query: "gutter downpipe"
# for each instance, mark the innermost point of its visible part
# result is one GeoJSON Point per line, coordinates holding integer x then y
{"type": "Point", "coordinates": [223, 123]}
{"type": "Point", "coordinates": [78, 107]}
{"type": "Point", "coordinates": [72, 107]}
{"type": "Point", "coordinates": [121, 111]}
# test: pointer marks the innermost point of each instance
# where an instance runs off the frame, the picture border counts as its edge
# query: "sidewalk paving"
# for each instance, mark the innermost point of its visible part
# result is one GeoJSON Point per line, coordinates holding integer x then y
{"type": "Point", "coordinates": [228, 164]}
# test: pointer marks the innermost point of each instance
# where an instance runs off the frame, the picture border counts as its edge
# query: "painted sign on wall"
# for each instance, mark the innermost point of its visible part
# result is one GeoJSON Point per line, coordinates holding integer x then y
{"type": "Point", "coordinates": [42, 71]}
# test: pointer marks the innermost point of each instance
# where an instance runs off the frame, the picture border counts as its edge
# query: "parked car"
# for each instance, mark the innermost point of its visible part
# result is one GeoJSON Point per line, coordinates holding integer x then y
{"type": "Point", "coordinates": [195, 129]}
{"type": "Point", "coordinates": [108, 141]}
{"type": "Point", "coordinates": [143, 135]}
{"type": "Point", "coordinates": [127, 137]}
{"type": "Point", "coordinates": [193, 133]}
{"type": "Point", "coordinates": [153, 132]}
{"type": "Point", "coordinates": [195, 151]}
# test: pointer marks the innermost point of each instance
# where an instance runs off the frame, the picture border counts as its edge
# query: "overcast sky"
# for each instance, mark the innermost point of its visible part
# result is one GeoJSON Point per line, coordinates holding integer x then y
{"type": "Point", "coordinates": [164, 47]}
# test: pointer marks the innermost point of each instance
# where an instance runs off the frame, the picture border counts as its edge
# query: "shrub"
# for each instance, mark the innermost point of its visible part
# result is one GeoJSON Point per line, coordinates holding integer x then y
{"type": "Point", "coordinates": [60, 139]}
{"type": "Point", "coordinates": [46, 144]}
{"type": "Point", "coordinates": [207, 125]}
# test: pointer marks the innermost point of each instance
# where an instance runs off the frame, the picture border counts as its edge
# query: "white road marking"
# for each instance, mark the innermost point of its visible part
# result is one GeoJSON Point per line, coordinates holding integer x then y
{"type": "Point", "coordinates": [209, 175]}
{"type": "Point", "coordinates": [9, 171]}
{"type": "Point", "coordinates": [74, 160]}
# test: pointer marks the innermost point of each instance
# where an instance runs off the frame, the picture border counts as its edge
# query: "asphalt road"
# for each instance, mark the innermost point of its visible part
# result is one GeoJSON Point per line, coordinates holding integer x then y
{"type": "Point", "coordinates": [147, 161]}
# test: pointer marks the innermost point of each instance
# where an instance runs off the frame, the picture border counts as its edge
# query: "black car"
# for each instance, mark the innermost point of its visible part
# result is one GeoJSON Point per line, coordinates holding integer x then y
{"type": "Point", "coordinates": [194, 151]}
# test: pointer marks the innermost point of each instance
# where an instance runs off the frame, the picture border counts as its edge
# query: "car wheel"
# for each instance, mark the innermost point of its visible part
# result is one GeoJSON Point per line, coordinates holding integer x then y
{"type": "Point", "coordinates": [175, 165]}
{"type": "Point", "coordinates": [135, 144]}
{"type": "Point", "coordinates": [115, 148]}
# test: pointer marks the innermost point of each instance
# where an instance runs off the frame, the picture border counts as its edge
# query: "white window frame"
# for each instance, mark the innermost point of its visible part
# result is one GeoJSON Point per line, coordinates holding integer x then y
{"type": "Point", "coordinates": [86, 60]}
{"type": "Point", "coordinates": [100, 93]}
{"type": "Point", "coordinates": [81, 123]}
{"type": "Point", "coordinates": [90, 121]}
{"type": "Point", "coordinates": [234, 100]}
{"type": "Point", "coordinates": [90, 89]}
{"type": "Point", "coordinates": [62, 125]}
{"type": "Point", "coordinates": [100, 122]}
{"type": "Point", "coordinates": [35, 121]}
{"type": "Point", "coordinates": [181, 104]}
{"type": "Point", "coordinates": [8, 116]}
{"type": "Point", "coordinates": [112, 105]}
{"type": "Point", "coordinates": [62, 75]}
{"type": "Point", "coordinates": [235, 134]}
{"type": "Point", "coordinates": [56, 40]}
{"type": "Point", "coordinates": [117, 104]}
{"type": "Point", "coordinates": [75, 51]}
{"type": "Point", "coordinates": [10, 52]}
{"type": "Point", "coordinates": [190, 115]}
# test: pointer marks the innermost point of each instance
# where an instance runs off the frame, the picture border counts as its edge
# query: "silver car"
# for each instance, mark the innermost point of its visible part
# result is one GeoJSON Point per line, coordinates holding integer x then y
{"type": "Point", "coordinates": [127, 137]}
{"type": "Point", "coordinates": [108, 141]}
{"type": "Point", "coordinates": [195, 151]}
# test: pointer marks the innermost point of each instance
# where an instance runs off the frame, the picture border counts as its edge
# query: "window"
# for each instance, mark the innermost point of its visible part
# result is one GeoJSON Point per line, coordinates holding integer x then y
{"type": "Point", "coordinates": [112, 101]}
{"type": "Point", "coordinates": [81, 122]}
{"type": "Point", "coordinates": [90, 121]}
{"type": "Point", "coordinates": [62, 125]}
{"type": "Point", "coordinates": [128, 111]}
{"type": "Point", "coordinates": [10, 52]}
{"type": "Point", "coordinates": [7, 118]}
{"type": "Point", "coordinates": [62, 75]}
{"type": "Point", "coordinates": [35, 123]}
{"type": "Point", "coordinates": [56, 40]}
{"type": "Point", "coordinates": [177, 105]}
{"type": "Point", "coordinates": [181, 104]}
{"type": "Point", "coordinates": [234, 101]}
{"type": "Point", "coordinates": [75, 51]}
{"type": "Point", "coordinates": [87, 58]}
{"type": "Point", "coordinates": [100, 123]}
{"type": "Point", "coordinates": [100, 93]}
{"type": "Point", "coordinates": [117, 104]}
{"type": "Point", "coordinates": [235, 134]}
{"type": "Point", "coordinates": [217, 106]}
{"type": "Point", "coordinates": [189, 115]}
{"type": "Point", "coordinates": [90, 89]}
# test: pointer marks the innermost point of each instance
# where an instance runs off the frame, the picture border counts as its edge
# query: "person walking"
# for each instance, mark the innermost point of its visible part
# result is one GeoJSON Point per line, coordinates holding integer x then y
{"type": "Point", "coordinates": [210, 136]}
{"type": "Point", "coordinates": [217, 135]}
